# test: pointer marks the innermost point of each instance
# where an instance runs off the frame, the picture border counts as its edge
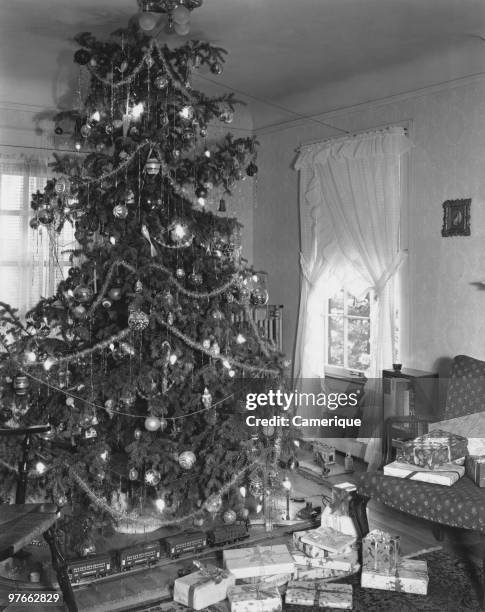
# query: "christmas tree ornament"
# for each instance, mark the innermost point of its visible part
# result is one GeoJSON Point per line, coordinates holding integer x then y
{"type": "Point", "coordinates": [106, 303]}
{"type": "Point", "coordinates": [152, 423]}
{"type": "Point", "coordinates": [34, 223]}
{"type": "Point", "coordinates": [186, 460]}
{"type": "Point", "coordinates": [180, 273]}
{"type": "Point", "coordinates": [198, 521]}
{"type": "Point", "coordinates": [179, 231]}
{"type": "Point", "coordinates": [203, 131]}
{"type": "Point", "coordinates": [29, 356]}
{"type": "Point", "coordinates": [222, 205]}
{"type": "Point", "coordinates": [164, 119]}
{"type": "Point", "coordinates": [128, 398]}
{"type": "Point", "coordinates": [45, 215]}
{"type": "Point", "coordinates": [152, 166]}
{"type": "Point", "coordinates": [229, 517]}
{"type": "Point", "coordinates": [206, 344]}
{"type": "Point", "coordinates": [206, 398]}
{"type": "Point", "coordinates": [90, 433]}
{"type": "Point", "coordinates": [163, 424]}
{"type": "Point", "coordinates": [252, 169]}
{"type": "Point", "coordinates": [109, 128]}
{"type": "Point", "coordinates": [138, 320]}
{"type": "Point", "coordinates": [226, 116]}
{"type": "Point", "coordinates": [85, 130]}
{"type": "Point", "coordinates": [138, 286]}
{"type": "Point", "coordinates": [21, 384]}
{"type": "Point", "coordinates": [216, 68]}
{"type": "Point", "coordinates": [133, 474]}
{"type": "Point", "coordinates": [137, 434]}
{"type": "Point", "coordinates": [215, 350]}
{"type": "Point", "coordinates": [240, 339]}
{"type": "Point", "coordinates": [120, 211]}
{"type": "Point", "coordinates": [259, 296]}
{"type": "Point", "coordinates": [170, 318]}
{"type": "Point", "coordinates": [231, 373]}
{"type": "Point", "coordinates": [127, 349]}
{"type": "Point", "coordinates": [62, 185]}
{"type": "Point", "coordinates": [196, 278]}
{"type": "Point", "coordinates": [82, 57]}
{"type": "Point", "coordinates": [82, 293]}
{"type": "Point", "coordinates": [213, 503]}
{"type": "Point", "coordinates": [244, 294]}
{"type": "Point", "coordinates": [152, 477]}
{"type": "Point", "coordinates": [78, 311]}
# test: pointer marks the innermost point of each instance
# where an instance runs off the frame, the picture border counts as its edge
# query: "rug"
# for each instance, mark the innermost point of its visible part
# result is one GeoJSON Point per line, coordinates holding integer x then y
{"type": "Point", "coordinates": [453, 587]}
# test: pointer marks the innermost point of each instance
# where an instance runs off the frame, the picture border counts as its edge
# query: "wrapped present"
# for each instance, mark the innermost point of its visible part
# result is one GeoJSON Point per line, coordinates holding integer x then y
{"type": "Point", "coordinates": [433, 449]}
{"type": "Point", "coordinates": [328, 539]}
{"type": "Point", "coordinates": [380, 551]}
{"type": "Point", "coordinates": [319, 594]}
{"type": "Point", "coordinates": [342, 561]}
{"type": "Point", "coordinates": [258, 561]}
{"type": "Point", "coordinates": [446, 474]}
{"type": "Point", "coordinates": [475, 469]}
{"type": "Point", "coordinates": [203, 588]}
{"type": "Point", "coordinates": [336, 514]}
{"type": "Point", "coordinates": [411, 576]}
{"type": "Point", "coordinates": [341, 495]}
{"type": "Point", "coordinates": [254, 598]}
{"type": "Point", "coordinates": [302, 572]}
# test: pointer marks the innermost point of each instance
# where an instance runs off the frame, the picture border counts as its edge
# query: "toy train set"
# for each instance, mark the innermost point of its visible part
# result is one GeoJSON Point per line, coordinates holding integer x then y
{"type": "Point", "coordinates": [149, 553]}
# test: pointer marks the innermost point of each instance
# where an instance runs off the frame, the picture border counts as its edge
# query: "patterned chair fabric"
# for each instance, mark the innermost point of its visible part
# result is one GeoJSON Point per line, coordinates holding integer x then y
{"type": "Point", "coordinates": [461, 505]}
{"type": "Point", "coordinates": [466, 389]}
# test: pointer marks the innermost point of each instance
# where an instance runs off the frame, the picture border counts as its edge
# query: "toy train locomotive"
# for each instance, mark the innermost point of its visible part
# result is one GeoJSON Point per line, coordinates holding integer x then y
{"type": "Point", "coordinates": [149, 553]}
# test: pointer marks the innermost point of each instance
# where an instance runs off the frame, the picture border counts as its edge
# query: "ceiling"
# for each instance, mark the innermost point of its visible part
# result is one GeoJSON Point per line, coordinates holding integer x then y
{"type": "Point", "coordinates": [303, 56]}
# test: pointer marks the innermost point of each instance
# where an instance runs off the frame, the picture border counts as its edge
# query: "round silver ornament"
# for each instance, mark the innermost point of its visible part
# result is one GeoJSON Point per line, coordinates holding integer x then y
{"type": "Point", "coordinates": [186, 460]}
{"type": "Point", "coordinates": [152, 477]}
{"type": "Point", "coordinates": [138, 320]}
{"type": "Point", "coordinates": [120, 211]}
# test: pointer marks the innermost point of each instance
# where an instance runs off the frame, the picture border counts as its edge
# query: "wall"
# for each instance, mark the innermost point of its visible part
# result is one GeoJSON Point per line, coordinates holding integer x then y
{"type": "Point", "coordinates": [448, 162]}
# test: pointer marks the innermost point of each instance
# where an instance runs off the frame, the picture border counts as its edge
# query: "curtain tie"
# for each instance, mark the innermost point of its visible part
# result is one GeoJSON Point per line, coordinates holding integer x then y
{"type": "Point", "coordinates": [389, 272]}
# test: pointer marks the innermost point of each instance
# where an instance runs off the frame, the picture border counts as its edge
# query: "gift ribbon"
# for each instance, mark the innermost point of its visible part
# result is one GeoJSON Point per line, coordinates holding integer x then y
{"type": "Point", "coordinates": [216, 574]}
{"type": "Point", "coordinates": [262, 557]}
{"type": "Point", "coordinates": [146, 234]}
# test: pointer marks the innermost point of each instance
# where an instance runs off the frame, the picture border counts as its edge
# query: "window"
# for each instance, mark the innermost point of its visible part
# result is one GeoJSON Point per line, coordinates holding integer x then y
{"type": "Point", "coordinates": [348, 331]}
{"type": "Point", "coordinates": [32, 262]}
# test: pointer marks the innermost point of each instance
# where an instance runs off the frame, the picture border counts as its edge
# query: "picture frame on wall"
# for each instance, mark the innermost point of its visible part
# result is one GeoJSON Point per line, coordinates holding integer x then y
{"type": "Point", "coordinates": [456, 217]}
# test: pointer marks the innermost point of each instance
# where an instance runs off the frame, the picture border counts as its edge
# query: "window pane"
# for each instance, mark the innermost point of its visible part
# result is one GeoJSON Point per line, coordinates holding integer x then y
{"type": "Point", "coordinates": [11, 192]}
{"type": "Point", "coordinates": [336, 341]}
{"type": "Point", "coordinates": [358, 308]}
{"type": "Point", "coordinates": [9, 285]}
{"type": "Point", "coordinates": [358, 343]}
{"type": "Point", "coordinates": [11, 238]}
{"type": "Point", "coordinates": [336, 303]}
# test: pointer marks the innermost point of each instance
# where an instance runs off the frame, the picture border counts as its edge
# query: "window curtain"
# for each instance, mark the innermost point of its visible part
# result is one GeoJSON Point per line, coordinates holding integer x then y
{"type": "Point", "coordinates": [350, 203]}
{"type": "Point", "coordinates": [31, 261]}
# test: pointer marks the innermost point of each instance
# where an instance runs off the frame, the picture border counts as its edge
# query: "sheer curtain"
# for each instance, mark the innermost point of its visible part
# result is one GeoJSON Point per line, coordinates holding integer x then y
{"type": "Point", "coordinates": [32, 262]}
{"type": "Point", "coordinates": [350, 203]}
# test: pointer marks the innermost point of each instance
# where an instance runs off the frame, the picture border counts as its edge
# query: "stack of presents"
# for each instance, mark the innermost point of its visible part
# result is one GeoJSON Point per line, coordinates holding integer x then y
{"type": "Point", "coordinates": [439, 457]}
{"type": "Point", "coordinates": [304, 572]}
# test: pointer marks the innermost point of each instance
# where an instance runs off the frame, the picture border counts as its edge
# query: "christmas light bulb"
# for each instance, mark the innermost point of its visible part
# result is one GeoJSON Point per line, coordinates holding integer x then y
{"type": "Point", "coordinates": [259, 507]}
{"type": "Point", "coordinates": [240, 339]}
{"type": "Point", "coordinates": [104, 455]}
{"type": "Point", "coordinates": [201, 201]}
{"type": "Point", "coordinates": [96, 116]}
{"type": "Point", "coordinates": [160, 504]}
{"type": "Point", "coordinates": [186, 112]}
{"type": "Point", "coordinates": [207, 153]}
{"type": "Point", "coordinates": [112, 239]}
{"type": "Point", "coordinates": [77, 146]}
{"type": "Point", "coordinates": [231, 373]}
{"type": "Point", "coordinates": [286, 483]}
{"type": "Point", "coordinates": [242, 490]}
{"type": "Point", "coordinates": [40, 467]}
{"type": "Point", "coordinates": [30, 356]}
{"type": "Point", "coordinates": [296, 442]}
{"type": "Point", "coordinates": [48, 363]}
{"type": "Point", "coordinates": [179, 230]}
{"type": "Point", "coordinates": [226, 364]}
{"type": "Point", "coordinates": [173, 359]}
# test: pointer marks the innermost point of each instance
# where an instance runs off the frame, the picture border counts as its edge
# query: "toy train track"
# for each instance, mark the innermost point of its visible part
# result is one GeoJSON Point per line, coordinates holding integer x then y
{"type": "Point", "coordinates": [113, 575]}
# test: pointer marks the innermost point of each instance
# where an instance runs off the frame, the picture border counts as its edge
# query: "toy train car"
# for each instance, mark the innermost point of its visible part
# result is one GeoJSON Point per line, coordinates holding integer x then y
{"type": "Point", "coordinates": [227, 534]}
{"type": "Point", "coordinates": [176, 545]}
{"type": "Point", "coordinates": [149, 553]}
{"type": "Point", "coordinates": [91, 567]}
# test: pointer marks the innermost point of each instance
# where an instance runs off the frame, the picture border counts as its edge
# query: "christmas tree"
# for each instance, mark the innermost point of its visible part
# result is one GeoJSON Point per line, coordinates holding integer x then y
{"type": "Point", "coordinates": [141, 360]}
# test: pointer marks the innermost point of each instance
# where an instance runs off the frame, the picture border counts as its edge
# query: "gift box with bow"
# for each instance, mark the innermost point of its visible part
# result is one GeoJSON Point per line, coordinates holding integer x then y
{"type": "Point", "coordinates": [258, 561]}
{"type": "Point", "coordinates": [302, 572]}
{"type": "Point", "coordinates": [327, 539]}
{"type": "Point", "coordinates": [254, 598]}
{"type": "Point", "coordinates": [203, 588]}
{"type": "Point", "coordinates": [380, 551]}
{"type": "Point", "coordinates": [341, 561]}
{"type": "Point", "coordinates": [433, 449]}
{"type": "Point", "coordinates": [319, 594]}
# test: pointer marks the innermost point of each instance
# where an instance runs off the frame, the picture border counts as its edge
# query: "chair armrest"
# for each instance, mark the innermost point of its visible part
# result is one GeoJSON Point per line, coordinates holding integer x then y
{"type": "Point", "coordinates": [416, 426]}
